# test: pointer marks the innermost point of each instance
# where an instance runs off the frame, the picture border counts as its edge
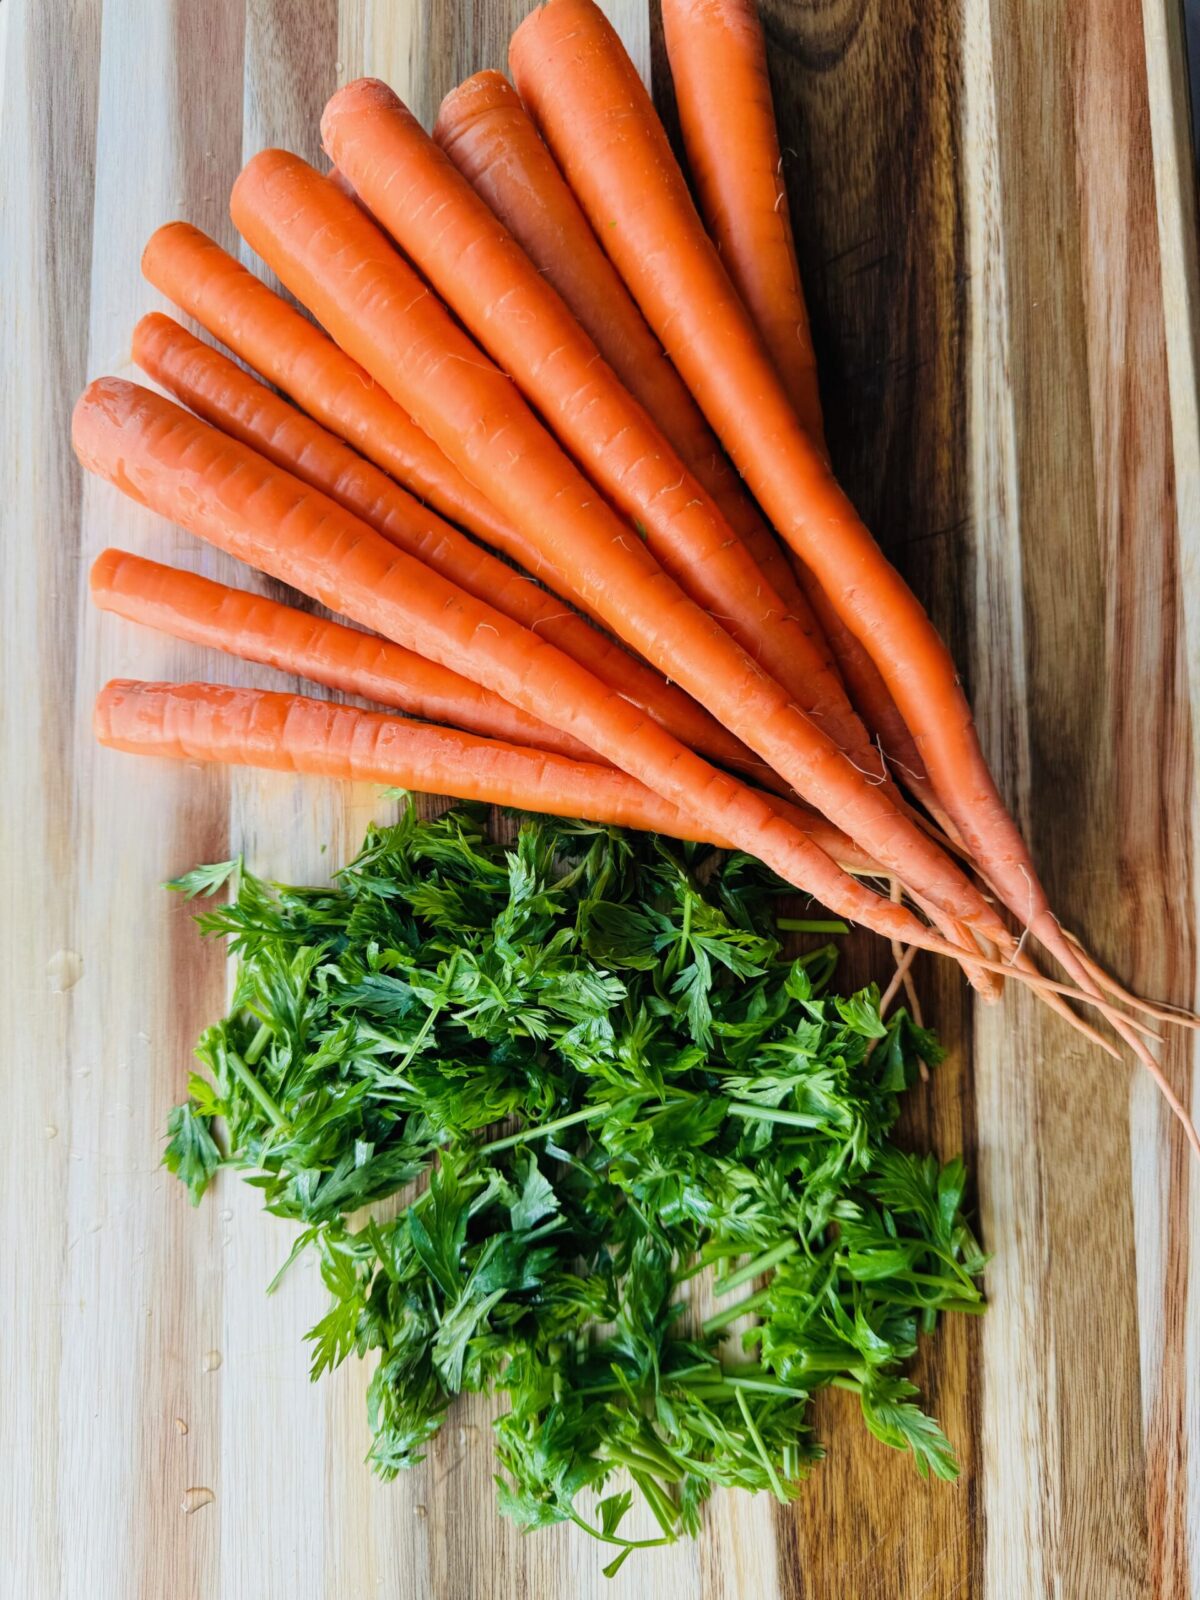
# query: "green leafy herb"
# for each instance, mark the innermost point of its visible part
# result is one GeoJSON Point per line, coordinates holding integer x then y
{"type": "Point", "coordinates": [586, 1066]}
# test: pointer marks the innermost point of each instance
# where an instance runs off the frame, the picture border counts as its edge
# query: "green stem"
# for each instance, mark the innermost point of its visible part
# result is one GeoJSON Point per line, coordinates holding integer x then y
{"type": "Point", "coordinates": [793, 1119]}
{"type": "Point", "coordinates": [721, 1319]}
{"type": "Point", "coordinates": [660, 1503]}
{"type": "Point", "coordinates": [769, 1465]}
{"type": "Point", "coordinates": [431, 1015]}
{"type": "Point", "coordinates": [258, 1044]}
{"type": "Point", "coordinates": [250, 1082]}
{"type": "Point", "coordinates": [541, 1130]}
{"type": "Point", "coordinates": [811, 925]}
{"type": "Point", "coordinates": [760, 1264]}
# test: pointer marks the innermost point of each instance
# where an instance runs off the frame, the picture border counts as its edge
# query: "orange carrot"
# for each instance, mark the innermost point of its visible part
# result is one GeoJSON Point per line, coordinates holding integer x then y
{"type": "Point", "coordinates": [345, 271]}
{"type": "Point", "coordinates": [264, 728]}
{"type": "Point", "coordinates": [292, 733]}
{"type": "Point", "coordinates": [249, 625]}
{"type": "Point", "coordinates": [272, 337]}
{"type": "Point", "coordinates": [585, 95]}
{"type": "Point", "coordinates": [487, 133]}
{"type": "Point", "coordinates": [718, 62]}
{"type": "Point", "coordinates": [218, 488]}
{"type": "Point", "coordinates": [483, 275]}
{"type": "Point", "coordinates": [723, 93]}
{"type": "Point", "coordinates": [219, 391]}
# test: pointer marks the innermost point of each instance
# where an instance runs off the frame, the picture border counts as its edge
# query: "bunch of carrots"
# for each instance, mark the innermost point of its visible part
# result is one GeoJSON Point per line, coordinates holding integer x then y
{"type": "Point", "coordinates": [557, 459]}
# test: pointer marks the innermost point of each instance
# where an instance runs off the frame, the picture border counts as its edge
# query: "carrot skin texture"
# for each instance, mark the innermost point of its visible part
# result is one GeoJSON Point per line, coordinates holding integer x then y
{"type": "Point", "coordinates": [352, 280]}
{"type": "Point", "coordinates": [718, 63]}
{"type": "Point", "coordinates": [447, 231]}
{"type": "Point", "coordinates": [271, 336]}
{"type": "Point", "coordinates": [488, 135]}
{"type": "Point", "coordinates": [294, 733]}
{"type": "Point", "coordinates": [586, 98]}
{"type": "Point", "coordinates": [216, 487]}
{"type": "Point", "coordinates": [718, 60]}
{"type": "Point", "coordinates": [256, 628]}
{"type": "Point", "coordinates": [218, 390]}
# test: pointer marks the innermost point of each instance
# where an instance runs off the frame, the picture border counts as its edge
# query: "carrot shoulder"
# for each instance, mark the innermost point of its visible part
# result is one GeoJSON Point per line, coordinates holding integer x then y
{"type": "Point", "coordinates": [482, 274]}
{"type": "Point", "coordinates": [219, 489]}
{"type": "Point", "coordinates": [218, 390]}
{"type": "Point", "coordinates": [348, 275]}
{"type": "Point", "coordinates": [587, 99]}
{"type": "Point", "coordinates": [251, 626]}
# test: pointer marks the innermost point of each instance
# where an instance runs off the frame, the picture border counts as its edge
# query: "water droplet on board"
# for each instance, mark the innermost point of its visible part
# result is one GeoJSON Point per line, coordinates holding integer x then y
{"type": "Point", "coordinates": [180, 1426]}
{"type": "Point", "coordinates": [420, 1511]}
{"type": "Point", "coordinates": [64, 970]}
{"type": "Point", "coordinates": [51, 1131]}
{"type": "Point", "coordinates": [195, 1499]}
{"type": "Point", "coordinates": [227, 1215]}
{"type": "Point", "coordinates": [211, 1361]}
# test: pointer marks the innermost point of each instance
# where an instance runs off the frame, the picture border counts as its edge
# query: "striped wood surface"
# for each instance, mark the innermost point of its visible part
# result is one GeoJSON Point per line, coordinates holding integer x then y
{"type": "Point", "coordinates": [994, 208]}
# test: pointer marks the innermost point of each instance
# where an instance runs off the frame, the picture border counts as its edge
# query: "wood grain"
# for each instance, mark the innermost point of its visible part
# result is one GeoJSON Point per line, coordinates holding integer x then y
{"type": "Point", "coordinates": [996, 220]}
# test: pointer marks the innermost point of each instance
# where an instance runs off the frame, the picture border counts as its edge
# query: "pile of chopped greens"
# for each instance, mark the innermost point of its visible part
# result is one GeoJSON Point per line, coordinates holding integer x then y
{"type": "Point", "coordinates": [588, 1074]}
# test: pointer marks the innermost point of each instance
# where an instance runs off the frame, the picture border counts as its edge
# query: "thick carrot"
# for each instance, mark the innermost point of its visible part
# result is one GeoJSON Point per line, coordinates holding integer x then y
{"type": "Point", "coordinates": [258, 629]}
{"type": "Point", "coordinates": [177, 465]}
{"type": "Point", "coordinates": [718, 62]}
{"type": "Point", "coordinates": [275, 339]}
{"type": "Point", "coordinates": [348, 275]}
{"type": "Point", "coordinates": [293, 733]}
{"type": "Point", "coordinates": [222, 393]}
{"type": "Point", "coordinates": [586, 97]}
{"type": "Point", "coordinates": [447, 231]}
{"type": "Point", "coordinates": [487, 133]}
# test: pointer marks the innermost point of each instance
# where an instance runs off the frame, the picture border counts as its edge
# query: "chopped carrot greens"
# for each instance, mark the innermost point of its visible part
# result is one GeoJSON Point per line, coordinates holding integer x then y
{"type": "Point", "coordinates": [594, 1079]}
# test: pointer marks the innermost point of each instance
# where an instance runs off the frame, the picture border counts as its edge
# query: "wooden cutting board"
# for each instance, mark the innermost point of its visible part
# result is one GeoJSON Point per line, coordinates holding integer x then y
{"type": "Point", "coordinates": [993, 202]}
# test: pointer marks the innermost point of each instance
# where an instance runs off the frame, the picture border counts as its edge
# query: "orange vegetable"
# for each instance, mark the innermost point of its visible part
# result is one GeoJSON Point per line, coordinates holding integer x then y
{"type": "Point", "coordinates": [218, 390]}
{"type": "Point", "coordinates": [271, 336]}
{"type": "Point", "coordinates": [249, 625]}
{"type": "Point", "coordinates": [586, 97]}
{"type": "Point", "coordinates": [718, 62]}
{"type": "Point", "coordinates": [446, 230]}
{"type": "Point", "coordinates": [349, 276]}
{"type": "Point", "coordinates": [218, 488]}
{"type": "Point", "coordinates": [487, 133]}
{"type": "Point", "coordinates": [292, 733]}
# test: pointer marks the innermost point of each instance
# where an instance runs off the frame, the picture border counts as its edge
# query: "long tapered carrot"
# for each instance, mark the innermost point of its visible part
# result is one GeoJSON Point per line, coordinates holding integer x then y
{"type": "Point", "coordinates": [723, 93]}
{"type": "Point", "coordinates": [586, 97]}
{"type": "Point", "coordinates": [176, 464]}
{"type": "Point", "coordinates": [258, 629]}
{"type": "Point", "coordinates": [222, 393]}
{"type": "Point", "coordinates": [718, 60]}
{"type": "Point", "coordinates": [487, 133]}
{"type": "Point", "coordinates": [483, 275]}
{"type": "Point", "coordinates": [294, 733]}
{"type": "Point", "coordinates": [349, 276]}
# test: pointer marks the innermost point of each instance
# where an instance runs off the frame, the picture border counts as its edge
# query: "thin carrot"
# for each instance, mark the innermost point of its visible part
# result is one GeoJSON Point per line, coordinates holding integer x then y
{"type": "Point", "coordinates": [218, 488]}
{"type": "Point", "coordinates": [222, 393]}
{"type": "Point", "coordinates": [275, 339]}
{"type": "Point", "coordinates": [718, 60]}
{"type": "Point", "coordinates": [290, 732]}
{"type": "Point", "coordinates": [348, 275]}
{"type": "Point", "coordinates": [488, 135]}
{"type": "Point", "coordinates": [723, 92]}
{"type": "Point", "coordinates": [480, 271]}
{"type": "Point", "coordinates": [258, 629]}
{"type": "Point", "coordinates": [586, 97]}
